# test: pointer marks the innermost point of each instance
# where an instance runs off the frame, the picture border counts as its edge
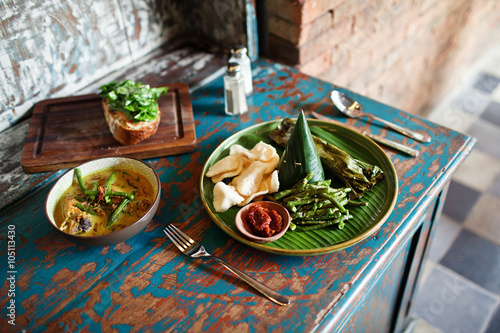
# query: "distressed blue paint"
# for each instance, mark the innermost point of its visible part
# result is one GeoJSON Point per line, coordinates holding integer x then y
{"type": "Point", "coordinates": [251, 25]}
{"type": "Point", "coordinates": [52, 49]}
{"type": "Point", "coordinates": [279, 92]}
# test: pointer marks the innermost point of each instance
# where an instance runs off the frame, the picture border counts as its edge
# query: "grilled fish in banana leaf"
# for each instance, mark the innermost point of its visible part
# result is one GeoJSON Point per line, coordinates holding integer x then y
{"type": "Point", "coordinates": [358, 175]}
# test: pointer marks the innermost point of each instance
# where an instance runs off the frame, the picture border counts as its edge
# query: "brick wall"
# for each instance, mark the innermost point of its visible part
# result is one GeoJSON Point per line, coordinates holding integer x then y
{"type": "Point", "coordinates": [405, 53]}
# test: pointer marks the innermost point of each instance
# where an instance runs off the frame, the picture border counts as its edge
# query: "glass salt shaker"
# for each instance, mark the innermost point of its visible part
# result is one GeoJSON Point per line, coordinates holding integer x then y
{"type": "Point", "coordinates": [234, 90]}
{"type": "Point", "coordinates": [239, 55]}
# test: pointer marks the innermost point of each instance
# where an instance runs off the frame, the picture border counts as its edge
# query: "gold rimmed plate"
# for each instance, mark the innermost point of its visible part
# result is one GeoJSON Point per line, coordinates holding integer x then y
{"type": "Point", "coordinates": [366, 219]}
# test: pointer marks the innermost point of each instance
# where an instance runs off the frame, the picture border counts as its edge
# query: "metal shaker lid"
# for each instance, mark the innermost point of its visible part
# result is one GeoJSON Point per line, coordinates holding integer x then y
{"type": "Point", "coordinates": [233, 68]}
{"type": "Point", "coordinates": [239, 51]}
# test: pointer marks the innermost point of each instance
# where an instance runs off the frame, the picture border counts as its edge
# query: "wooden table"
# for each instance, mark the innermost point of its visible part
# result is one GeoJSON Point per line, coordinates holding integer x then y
{"type": "Point", "coordinates": [145, 284]}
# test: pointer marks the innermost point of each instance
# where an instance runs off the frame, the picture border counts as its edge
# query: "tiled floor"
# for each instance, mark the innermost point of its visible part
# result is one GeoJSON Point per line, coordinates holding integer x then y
{"type": "Point", "coordinates": [460, 290]}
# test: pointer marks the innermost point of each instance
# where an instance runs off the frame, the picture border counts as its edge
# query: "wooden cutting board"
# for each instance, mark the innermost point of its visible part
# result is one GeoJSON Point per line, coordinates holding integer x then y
{"type": "Point", "coordinates": [65, 132]}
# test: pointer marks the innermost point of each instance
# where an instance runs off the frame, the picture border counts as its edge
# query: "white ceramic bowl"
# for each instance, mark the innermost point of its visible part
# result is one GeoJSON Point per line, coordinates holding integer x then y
{"type": "Point", "coordinates": [89, 167]}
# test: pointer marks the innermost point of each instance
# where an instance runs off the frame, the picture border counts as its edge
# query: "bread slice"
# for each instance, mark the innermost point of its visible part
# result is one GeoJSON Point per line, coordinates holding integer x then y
{"type": "Point", "coordinates": [126, 131]}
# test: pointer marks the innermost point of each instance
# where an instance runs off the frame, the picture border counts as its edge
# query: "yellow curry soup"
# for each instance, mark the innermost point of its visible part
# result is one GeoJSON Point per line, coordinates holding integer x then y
{"type": "Point", "coordinates": [89, 215]}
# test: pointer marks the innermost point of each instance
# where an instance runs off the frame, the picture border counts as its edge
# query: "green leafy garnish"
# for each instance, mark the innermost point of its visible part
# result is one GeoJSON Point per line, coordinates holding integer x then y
{"type": "Point", "coordinates": [138, 101]}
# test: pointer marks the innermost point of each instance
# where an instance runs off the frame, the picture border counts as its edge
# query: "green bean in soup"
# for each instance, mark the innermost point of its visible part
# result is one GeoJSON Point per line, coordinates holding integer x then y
{"type": "Point", "coordinates": [120, 198]}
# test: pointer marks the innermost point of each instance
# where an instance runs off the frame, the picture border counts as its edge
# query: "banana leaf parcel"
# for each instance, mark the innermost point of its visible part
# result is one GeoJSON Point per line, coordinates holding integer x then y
{"type": "Point", "coordinates": [300, 156]}
{"type": "Point", "coordinates": [358, 175]}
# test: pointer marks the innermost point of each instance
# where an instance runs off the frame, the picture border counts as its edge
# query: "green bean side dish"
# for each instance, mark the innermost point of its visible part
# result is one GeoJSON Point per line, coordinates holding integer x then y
{"type": "Point", "coordinates": [316, 205]}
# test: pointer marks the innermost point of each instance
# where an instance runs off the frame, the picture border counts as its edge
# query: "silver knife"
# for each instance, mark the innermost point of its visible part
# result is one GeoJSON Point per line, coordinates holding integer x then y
{"type": "Point", "coordinates": [393, 144]}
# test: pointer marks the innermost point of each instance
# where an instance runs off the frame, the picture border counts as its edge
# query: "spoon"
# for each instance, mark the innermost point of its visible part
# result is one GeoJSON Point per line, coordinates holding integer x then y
{"type": "Point", "coordinates": [387, 142]}
{"type": "Point", "coordinates": [353, 109]}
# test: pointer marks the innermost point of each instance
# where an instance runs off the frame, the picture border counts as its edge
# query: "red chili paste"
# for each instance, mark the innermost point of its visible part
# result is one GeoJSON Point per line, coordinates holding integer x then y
{"type": "Point", "coordinates": [264, 222]}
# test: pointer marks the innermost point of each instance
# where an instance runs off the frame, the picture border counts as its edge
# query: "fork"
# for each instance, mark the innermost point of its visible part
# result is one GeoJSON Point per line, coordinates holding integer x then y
{"type": "Point", "coordinates": [194, 249]}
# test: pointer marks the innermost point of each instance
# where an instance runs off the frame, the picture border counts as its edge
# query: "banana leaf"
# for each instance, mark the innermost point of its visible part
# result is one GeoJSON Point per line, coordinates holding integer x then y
{"type": "Point", "coordinates": [358, 175]}
{"type": "Point", "coordinates": [300, 156]}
